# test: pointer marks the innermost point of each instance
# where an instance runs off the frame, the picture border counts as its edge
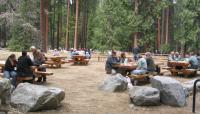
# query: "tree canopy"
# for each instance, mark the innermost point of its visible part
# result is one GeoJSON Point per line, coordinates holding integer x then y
{"type": "Point", "coordinates": [161, 25]}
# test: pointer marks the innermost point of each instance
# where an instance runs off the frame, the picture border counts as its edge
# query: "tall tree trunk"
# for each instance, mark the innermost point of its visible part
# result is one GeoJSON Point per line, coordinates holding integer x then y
{"type": "Point", "coordinates": [158, 35]}
{"type": "Point", "coordinates": [53, 25]}
{"type": "Point", "coordinates": [46, 27]}
{"type": "Point", "coordinates": [167, 26]}
{"type": "Point", "coordinates": [42, 19]}
{"type": "Point", "coordinates": [76, 26]}
{"type": "Point", "coordinates": [67, 31]}
{"type": "Point", "coordinates": [58, 32]}
{"type": "Point", "coordinates": [136, 33]}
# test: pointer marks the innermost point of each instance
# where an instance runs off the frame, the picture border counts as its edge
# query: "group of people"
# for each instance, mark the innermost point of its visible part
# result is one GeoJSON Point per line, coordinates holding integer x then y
{"type": "Point", "coordinates": [22, 66]}
{"type": "Point", "coordinates": [144, 64]}
{"type": "Point", "coordinates": [84, 52]}
{"type": "Point", "coordinates": [192, 58]}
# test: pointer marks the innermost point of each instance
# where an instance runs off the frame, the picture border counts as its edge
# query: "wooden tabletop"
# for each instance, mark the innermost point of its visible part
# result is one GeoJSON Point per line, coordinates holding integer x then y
{"type": "Point", "coordinates": [2, 63]}
{"type": "Point", "coordinates": [129, 66]}
{"type": "Point", "coordinates": [179, 63]}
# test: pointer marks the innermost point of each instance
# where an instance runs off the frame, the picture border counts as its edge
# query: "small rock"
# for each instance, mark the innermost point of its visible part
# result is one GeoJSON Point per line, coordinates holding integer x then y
{"type": "Point", "coordinates": [114, 83]}
{"type": "Point", "coordinates": [5, 91]}
{"type": "Point", "coordinates": [144, 96]}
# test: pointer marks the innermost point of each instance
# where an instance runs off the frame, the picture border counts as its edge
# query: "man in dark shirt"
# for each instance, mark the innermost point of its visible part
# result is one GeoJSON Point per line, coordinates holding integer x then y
{"type": "Point", "coordinates": [136, 52]}
{"type": "Point", "coordinates": [24, 65]}
{"type": "Point", "coordinates": [111, 60]}
{"type": "Point", "coordinates": [151, 67]}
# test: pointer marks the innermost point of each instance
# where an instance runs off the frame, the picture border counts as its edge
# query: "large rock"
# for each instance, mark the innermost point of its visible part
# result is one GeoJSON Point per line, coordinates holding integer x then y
{"type": "Point", "coordinates": [5, 91]}
{"type": "Point", "coordinates": [144, 96]}
{"type": "Point", "coordinates": [171, 91]}
{"type": "Point", "coordinates": [114, 83]}
{"type": "Point", "coordinates": [188, 87]}
{"type": "Point", "coordinates": [28, 97]}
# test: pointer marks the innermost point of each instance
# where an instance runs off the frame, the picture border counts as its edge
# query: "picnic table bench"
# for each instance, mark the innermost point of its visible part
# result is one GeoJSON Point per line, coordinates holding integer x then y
{"type": "Point", "coordinates": [37, 74]}
{"type": "Point", "coordinates": [181, 67]}
{"type": "Point", "coordinates": [141, 78]}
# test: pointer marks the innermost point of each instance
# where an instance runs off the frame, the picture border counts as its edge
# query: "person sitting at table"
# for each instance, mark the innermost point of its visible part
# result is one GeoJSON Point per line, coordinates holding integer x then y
{"type": "Point", "coordinates": [9, 69]}
{"type": "Point", "coordinates": [56, 52]}
{"type": "Point", "coordinates": [193, 61]}
{"type": "Point", "coordinates": [111, 60]}
{"type": "Point", "coordinates": [141, 66]}
{"type": "Point", "coordinates": [87, 55]}
{"type": "Point", "coordinates": [123, 58]}
{"type": "Point", "coordinates": [38, 60]}
{"type": "Point", "coordinates": [171, 56]}
{"type": "Point", "coordinates": [186, 57]}
{"type": "Point", "coordinates": [151, 67]}
{"type": "Point", "coordinates": [74, 52]}
{"type": "Point", "coordinates": [177, 56]}
{"type": "Point", "coordinates": [198, 58]}
{"type": "Point", "coordinates": [24, 66]}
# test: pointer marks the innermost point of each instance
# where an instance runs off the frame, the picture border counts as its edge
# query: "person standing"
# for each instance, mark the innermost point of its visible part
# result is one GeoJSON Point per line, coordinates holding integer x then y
{"type": "Point", "coordinates": [9, 70]}
{"type": "Point", "coordinates": [136, 53]}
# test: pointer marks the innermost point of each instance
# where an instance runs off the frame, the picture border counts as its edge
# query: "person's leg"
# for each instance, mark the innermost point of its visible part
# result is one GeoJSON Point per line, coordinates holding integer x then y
{"type": "Point", "coordinates": [43, 77]}
{"type": "Point", "coordinates": [137, 72]}
{"type": "Point", "coordinates": [14, 77]}
{"type": "Point", "coordinates": [6, 74]}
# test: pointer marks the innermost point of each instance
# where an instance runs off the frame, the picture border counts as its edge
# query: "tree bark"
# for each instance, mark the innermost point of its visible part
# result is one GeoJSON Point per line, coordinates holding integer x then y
{"type": "Point", "coordinates": [42, 28]}
{"type": "Point", "coordinates": [136, 34]}
{"type": "Point", "coordinates": [67, 31]}
{"type": "Point", "coordinates": [46, 27]}
{"type": "Point", "coordinates": [76, 26]}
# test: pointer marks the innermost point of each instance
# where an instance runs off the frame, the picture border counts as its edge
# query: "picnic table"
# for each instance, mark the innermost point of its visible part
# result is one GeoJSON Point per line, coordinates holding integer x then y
{"type": "Point", "coordinates": [55, 61]}
{"type": "Point", "coordinates": [180, 67]}
{"type": "Point", "coordinates": [125, 69]}
{"type": "Point", "coordinates": [79, 59]}
{"type": "Point", "coordinates": [24, 78]}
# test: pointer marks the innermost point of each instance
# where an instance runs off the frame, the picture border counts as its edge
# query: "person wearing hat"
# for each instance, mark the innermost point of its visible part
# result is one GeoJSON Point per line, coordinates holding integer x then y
{"type": "Point", "coordinates": [111, 60]}
{"type": "Point", "coordinates": [38, 60]}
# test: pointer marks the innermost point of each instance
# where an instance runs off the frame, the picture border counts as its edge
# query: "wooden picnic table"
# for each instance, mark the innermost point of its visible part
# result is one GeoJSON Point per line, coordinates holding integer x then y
{"type": "Point", "coordinates": [125, 69]}
{"type": "Point", "coordinates": [180, 67]}
{"type": "Point", "coordinates": [80, 59]}
{"type": "Point", "coordinates": [55, 61]}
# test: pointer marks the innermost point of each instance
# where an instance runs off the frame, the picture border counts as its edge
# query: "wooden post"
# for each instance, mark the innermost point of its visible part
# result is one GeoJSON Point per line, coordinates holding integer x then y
{"type": "Point", "coordinates": [67, 31]}
{"type": "Point", "coordinates": [76, 26]}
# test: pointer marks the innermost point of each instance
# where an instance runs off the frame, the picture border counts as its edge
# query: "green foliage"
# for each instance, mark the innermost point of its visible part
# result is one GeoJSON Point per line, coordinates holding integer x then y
{"type": "Point", "coordinates": [23, 36]}
{"type": "Point", "coordinates": [187, 24]}
{"type": "Point", "coordinates": [165, 48]}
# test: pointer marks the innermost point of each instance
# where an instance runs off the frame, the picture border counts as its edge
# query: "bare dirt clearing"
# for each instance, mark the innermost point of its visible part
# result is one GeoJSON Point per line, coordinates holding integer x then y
{"type": "Point", "coordinates": [83, 97]}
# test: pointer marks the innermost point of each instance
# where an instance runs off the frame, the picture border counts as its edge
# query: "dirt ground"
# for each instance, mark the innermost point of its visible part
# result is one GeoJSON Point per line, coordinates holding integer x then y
{"type": "Point", "coordinates": [83, 97]}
